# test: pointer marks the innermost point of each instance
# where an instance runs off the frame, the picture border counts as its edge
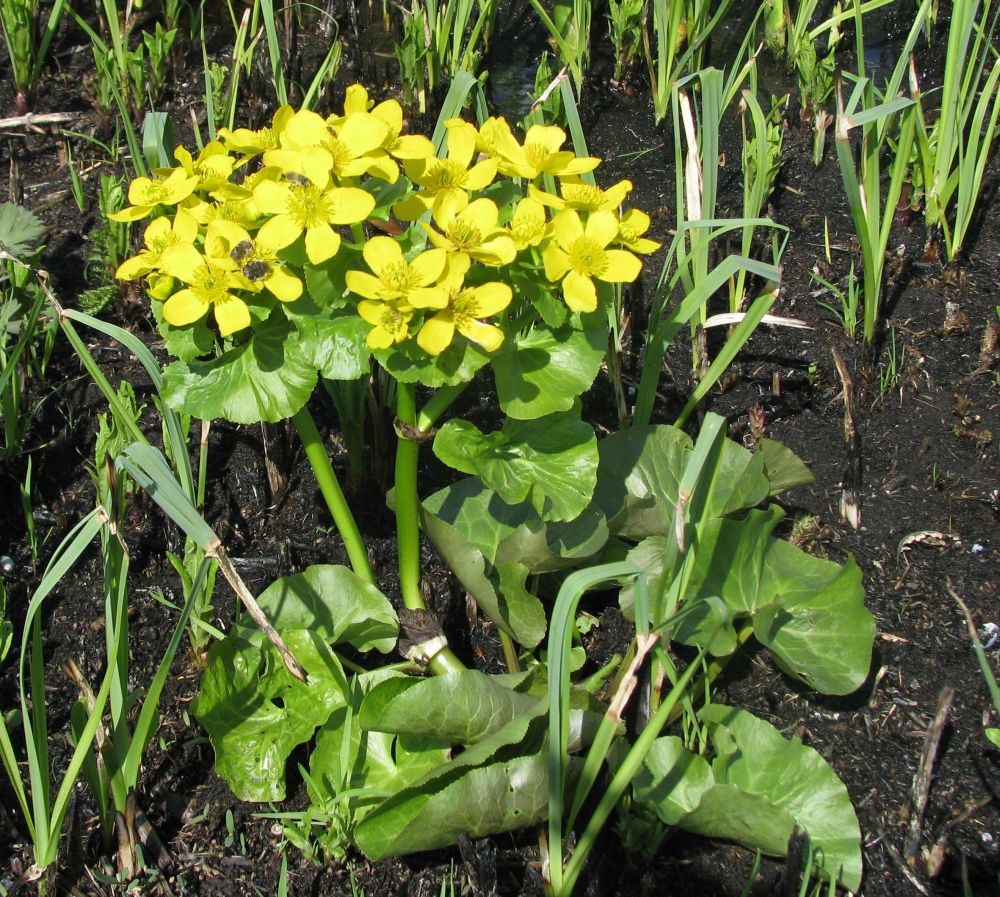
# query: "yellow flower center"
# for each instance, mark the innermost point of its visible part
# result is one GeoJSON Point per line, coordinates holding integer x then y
{"type": "Point", "coordinates": [536, 153]}
{"type": "Point", "coordinates": [309, 206]}
{"type": "Point", "coordinates": [153, 193]}
{"type": "Point", "coordinates": [341, 153]}
{"type": "Point", "coordinates": [211, 284]}
{"type": "Point", "coordinates": [465, 235]}
{"type": "Point", "coordinates": [583, 196]}
{"type": "Point", "coordinates": [393, 321]}
{"type": "Point", "coordinates": [588, 257]}
{"type": "Point", "coordinates": [397, 276]}
{"type": "Point", "coordinates": [445, 173]}
{"type": "Point", "coordinates": [464, 308]}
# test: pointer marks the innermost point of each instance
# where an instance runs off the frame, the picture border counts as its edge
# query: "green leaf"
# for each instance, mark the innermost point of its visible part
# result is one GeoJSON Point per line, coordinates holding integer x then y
{"type": "Point", "coordinates": [325, 283]}
{"type": "Point", "coordinates": [759, 787]}
{"type": "Point", "coordinates": [498, 784]}
{"type": "Point", "coordinates": [638, 479]}
{"type": "Point", "coordinates": [187, 343]}
{"type": "Point", "coordinates": [336, 604]}
{"type": "Point", "coordinates": [738, 480]}
{"type": "Point", "coordinates": [550, 462]}
{"type": "Point", "coordinates": [782, 467]}
{"type": "Point", "coordinates": [256, 713]}
{"type": "Point", "coordinates": [266, 379]}
{"type": "Point", "coordinates": [546, 370]}
{"type": "Point", "coordinates": [546, 547]}
{"type": "Point", "coordinates": [408, 363]}
{"type": "Point", "coordinates": [993, 735]}
{"type": "Point", "coordinates": [759, 760]}
{"type": "Point", "coordinates": [335, 346]}
{"type": "Point", "coordinates": [351, 772]}
{"type": "Point", "coordinates": [461, 708]}
{"type": "Point", "coordinates": [20, 230]}
{"type": "Point", "coordinates": [486, 800]}
{"type": "Point", "coordinates": [478, 513]}
{"type": "Point", "coordinates": [523, 617]}
{"type": "Point", "coordinates": [814, 620]}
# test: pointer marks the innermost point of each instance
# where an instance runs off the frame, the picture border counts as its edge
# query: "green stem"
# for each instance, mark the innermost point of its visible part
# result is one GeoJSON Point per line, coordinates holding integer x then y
{"type": "Point", "coordinates": [407, 515]}
{"type": "Point", "coordinates": [328, 484]}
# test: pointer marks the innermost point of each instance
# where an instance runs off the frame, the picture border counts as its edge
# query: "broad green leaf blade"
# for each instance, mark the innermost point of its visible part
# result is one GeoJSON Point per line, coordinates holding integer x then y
{"type": "Point", "coordinates": [268, 378]}
{"type": "Point", "coordinates": [460, 708]}
{"type": "Point", "coordinates": [498, 797]}
{"type": "Point", "coordinates": [638, 479]}
{"type": "Point", "coordinates": [550, 462]}
{"type": "Point", "coordinates": [523, 620]}
{"type": "Point", "coordinates": [672, 779]}
{"type": "Point", "coordinates": [335, 603]}
{"type": "Point", "coordinates": [544, 371]}
{"type": "Point", "coordinates": [546, 547]}
{"type": "Point", "coordinates": [814, 620]}
{"type": "Point", "coordinates": [256, 713]}
{"type": "Point", "coordinates": [335, 346]}
{"type": "Point", "coordinates": [782, 467]}
{"type": "Point", "coordinates": [794, 777]}
{"type": "Point", "coordinates": [351, 771]}
{"type": "Point", "coordinates": [459, 363]}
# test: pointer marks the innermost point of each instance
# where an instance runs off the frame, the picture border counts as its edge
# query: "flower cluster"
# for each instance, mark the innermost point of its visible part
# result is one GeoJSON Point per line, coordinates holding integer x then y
{"type": "Point", "coordinates": [236, 229]}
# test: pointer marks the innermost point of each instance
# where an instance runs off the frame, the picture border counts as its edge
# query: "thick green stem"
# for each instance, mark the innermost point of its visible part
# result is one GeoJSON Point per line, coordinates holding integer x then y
{"type": "Point", "coordinates": [328, 484]}
{"type": "Point", "coordinates": [407, 514]}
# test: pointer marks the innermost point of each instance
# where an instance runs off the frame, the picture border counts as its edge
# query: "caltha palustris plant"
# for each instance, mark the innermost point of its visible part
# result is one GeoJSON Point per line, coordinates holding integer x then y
{"type": "Point", "coordinates": [263, 279]}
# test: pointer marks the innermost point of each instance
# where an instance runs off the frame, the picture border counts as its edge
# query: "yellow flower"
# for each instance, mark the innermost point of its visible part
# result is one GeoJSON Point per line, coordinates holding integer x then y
{"type": "Point", "coordinates": [309, 147]}
{"type": "Point", "coordinates": [397, 280]}
{"type": "Point", "coordinates": [160, 235]}
{"type": "Point", "coordinates": [253, 143]}
{"type": "Point", "coordinates": [634, 223]}
{"type": "Point", "coordinates": [584, 197]}
{"type": "Point", "coordinates": [471, 228]}
{"type": "Point", "coordinates": [391, 322]}
{"type": "Point", "coordinates": [257, 261]}
{"type": "Point", "coordinates": [310, 209]}
{"type": "Point", "coordinates": [579, 253]}
{"type": "Point", "coordinates": [211, 284]}
{"type": "Point", "coordinates": [540, 154]}
{"type": "Point", "coordinates": [213, 166]}
{"type": "Point", "coordinates": [146, 194]}
{"type": "Point", "coordinates": [451, 175]}
{"type": "Point", "coordinates": [467, 306]}
{"type": "Point", "coordinates": [529, 226]}
{"type": "Point", "coordinates": [397, 144]}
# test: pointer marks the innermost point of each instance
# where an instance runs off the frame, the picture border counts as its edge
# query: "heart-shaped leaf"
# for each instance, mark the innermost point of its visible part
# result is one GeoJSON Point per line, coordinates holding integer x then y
{"type": "Point", "coordinates": [544, 371]}
{"type": "Point", "coordinates": [550, 462]}
{"type": "Point", "coordinates": [267, 378]}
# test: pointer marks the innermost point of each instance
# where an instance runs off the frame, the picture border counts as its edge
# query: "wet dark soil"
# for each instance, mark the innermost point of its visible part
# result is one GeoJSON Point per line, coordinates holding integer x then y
{"type": "Point", "coordinates": [930, 474]}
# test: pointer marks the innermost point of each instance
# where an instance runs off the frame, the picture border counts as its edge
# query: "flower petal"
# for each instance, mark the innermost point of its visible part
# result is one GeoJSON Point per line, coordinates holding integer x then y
{"type": "Point", "coordinates": [436, 334]}
{"type": "Point", "coordinates": [380, 252]}
{"type": "Point", "coordinates": [567, 228]}
{"type": "Point", "coordinates": [427, 266]}
{"type": "Point", "coordinates": [602, 227]}
{"type": "Point", "coordinates": [283, 286]}
{"type": "Point", "coordinates": [322, 243]}
{"type": "Point", "coordinates": [491, 298]}
{"type": "Point", "coordinates": [279, 232]}
{"type": "Point", "coordinates": [623, 267]}
{"type": "Point", "coordinates": [184, 307]}
{"type": "Point", "coordinates": [579, 292]}
{"type": "Point", "coordinates": [231, 314]}
{"type": "Point", "coordinates": [489, 336]}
